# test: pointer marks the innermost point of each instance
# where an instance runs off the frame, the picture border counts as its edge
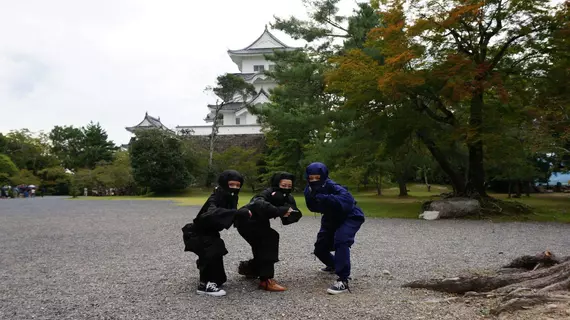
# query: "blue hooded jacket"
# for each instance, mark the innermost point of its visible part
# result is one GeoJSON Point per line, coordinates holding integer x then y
{"type": "Point", "coordinates": [328, 197]}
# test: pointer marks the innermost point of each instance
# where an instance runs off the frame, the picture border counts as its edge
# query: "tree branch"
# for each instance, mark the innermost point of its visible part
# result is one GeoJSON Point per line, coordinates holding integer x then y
{"type": "Point", "coordinates": [506, 46]}
{"type": "Point", "coordinates": [336, 25]}
{"type": "Point", "coordinates": [423, 107]}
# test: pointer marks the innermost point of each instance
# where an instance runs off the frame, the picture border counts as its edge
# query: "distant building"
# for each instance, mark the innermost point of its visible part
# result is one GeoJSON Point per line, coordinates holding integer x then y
{"type": "Point", "coordinates": [148, 122]}
{"type": "Point", "coordinates": [235, 118]}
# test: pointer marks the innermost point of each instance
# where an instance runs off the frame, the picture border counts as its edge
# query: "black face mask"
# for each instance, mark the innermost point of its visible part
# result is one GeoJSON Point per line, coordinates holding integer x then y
{"type": "Point", "coordinates": [316, 186]}
{"type": "Point", "coordinates": [286, 192]}
{"type": "Point", "coordinates": [233, 191]}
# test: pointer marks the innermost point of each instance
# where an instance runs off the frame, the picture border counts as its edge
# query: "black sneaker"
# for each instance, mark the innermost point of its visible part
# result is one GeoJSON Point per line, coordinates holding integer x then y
{"type": "Point", "coordinates": [338, 287]}
{"type": "Point", "coordinates": [211, 289]}
{"type": "Point", "coordinates": [327, 269]}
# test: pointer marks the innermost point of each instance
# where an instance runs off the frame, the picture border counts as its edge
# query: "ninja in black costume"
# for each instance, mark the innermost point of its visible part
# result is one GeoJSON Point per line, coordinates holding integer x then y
{"type": "Point", "coordinates": [271, 203]}
{"type": "Point", "coordinates": [202, 236]}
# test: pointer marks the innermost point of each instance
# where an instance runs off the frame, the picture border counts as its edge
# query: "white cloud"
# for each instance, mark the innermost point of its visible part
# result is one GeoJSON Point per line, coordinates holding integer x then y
{"type": "Point", "coordinates": [67, 62]}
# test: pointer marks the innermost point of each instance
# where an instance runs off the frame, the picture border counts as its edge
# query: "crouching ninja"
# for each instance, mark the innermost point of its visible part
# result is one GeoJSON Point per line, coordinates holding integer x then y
{"type": "Point", "coordinates": [340, 221]}
{"type": "Point", "coordinates": [202, 236]}
{"type": "Point", "coordinates": [271, 203]}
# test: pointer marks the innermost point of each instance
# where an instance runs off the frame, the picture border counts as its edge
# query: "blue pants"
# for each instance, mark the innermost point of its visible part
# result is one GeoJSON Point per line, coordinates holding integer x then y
{"type": "Point", "coordinates": [337, 238]}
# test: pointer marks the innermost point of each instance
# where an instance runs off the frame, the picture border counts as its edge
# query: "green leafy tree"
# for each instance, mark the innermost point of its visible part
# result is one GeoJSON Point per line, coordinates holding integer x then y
{"type": "Point", "coordinates": [96, 145]}
{"type": "Point", "coordinates": [81, 147]}
{"type": "Point", "coordinates": [302, 118]}
{"type": "Point", "coordinates": [7, 166]}
{"type": "Point", "coordinates": [447, 66]}
{"type": "Point", "coordinates": [25, 177]}
{"type": "Point", "coordinates": [67, 145]}
{"type": "Point", "coordinates": [158, 162]}
{"type": "Point", "coordinates": [244, 161]}
{"type": "Point", "coordinates": [7, 169]}
{"type": "Point", "coordinates": [27, 151]}
{"type": "Point", "coordinates": [55, 180]}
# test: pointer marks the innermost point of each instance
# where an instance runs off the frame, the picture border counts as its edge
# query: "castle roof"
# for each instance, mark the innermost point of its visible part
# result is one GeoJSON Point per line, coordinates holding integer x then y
{"type": "Point", "coordinates": [265, 43]}
{"type": "Point", "coordinates": [148, 122]}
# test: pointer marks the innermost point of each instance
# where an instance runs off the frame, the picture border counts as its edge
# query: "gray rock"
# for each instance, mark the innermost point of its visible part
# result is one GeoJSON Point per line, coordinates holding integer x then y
{"type": "Point", "coordinates": [430, 215]}
{"type": "Point", "coordinates": [451, 208]}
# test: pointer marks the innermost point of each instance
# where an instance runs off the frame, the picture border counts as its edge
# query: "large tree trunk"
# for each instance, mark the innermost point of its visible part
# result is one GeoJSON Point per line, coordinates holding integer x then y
{"type": "Point", "coordinates": [426, 179]}
{"type": "Point", "coordinates": [524, 282]}
{"type": "Point", "coordinates": [517, 189]}
{"type": "Point", "coordinates": [403, 187]}
{"type": "Point", "coordinates": [476, 172]}
{"type": "Point", "coordinates": [379, 186]}
{"type": "Point", "coordinates": [457, 180]}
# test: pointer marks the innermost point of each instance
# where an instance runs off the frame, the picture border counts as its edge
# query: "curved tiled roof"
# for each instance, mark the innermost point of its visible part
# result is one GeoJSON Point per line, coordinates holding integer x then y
{"type": "Point", "coordinates": [249, 48]}
{"type": "Point", "coordinates": [152, 121]}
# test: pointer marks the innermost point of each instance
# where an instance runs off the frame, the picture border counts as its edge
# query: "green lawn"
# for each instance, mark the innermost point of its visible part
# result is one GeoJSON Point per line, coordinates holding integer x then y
{"type": "Point", "coordinates": [548, 207]}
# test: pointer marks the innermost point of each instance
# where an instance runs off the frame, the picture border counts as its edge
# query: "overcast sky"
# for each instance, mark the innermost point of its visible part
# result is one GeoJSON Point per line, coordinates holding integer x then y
{"type": "Point", "coordinates": [67, 62]}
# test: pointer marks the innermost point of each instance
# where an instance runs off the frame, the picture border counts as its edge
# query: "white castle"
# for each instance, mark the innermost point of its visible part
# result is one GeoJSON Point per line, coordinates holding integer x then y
{"type": "Point", "coordinates": [234, 117]}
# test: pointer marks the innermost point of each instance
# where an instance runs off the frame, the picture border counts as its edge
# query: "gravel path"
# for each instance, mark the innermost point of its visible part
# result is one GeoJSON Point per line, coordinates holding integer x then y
{"type": "Point", "coordinates": [62, 259]}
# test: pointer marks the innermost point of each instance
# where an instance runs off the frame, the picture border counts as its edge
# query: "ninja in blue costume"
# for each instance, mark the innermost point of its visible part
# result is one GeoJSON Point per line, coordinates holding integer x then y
{"type": "Point", "coordinates": [341, 220]}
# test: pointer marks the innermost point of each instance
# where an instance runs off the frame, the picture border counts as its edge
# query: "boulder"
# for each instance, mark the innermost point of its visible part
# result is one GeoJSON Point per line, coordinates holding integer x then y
{"type": "Point", "coordinates": [450, 208]}
{"type": "Point", "coordinates": [430, 215]}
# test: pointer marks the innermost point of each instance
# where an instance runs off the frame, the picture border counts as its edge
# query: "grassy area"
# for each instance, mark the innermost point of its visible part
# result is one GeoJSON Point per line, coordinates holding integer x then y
{"type": "Point", "coordinates": [548, 207]}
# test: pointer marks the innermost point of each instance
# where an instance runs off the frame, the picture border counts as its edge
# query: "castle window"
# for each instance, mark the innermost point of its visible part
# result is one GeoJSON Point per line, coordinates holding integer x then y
{"type": "Point", "coordinates": [259, 68]}
{"type": "Point", "coordinates": [238, 120]}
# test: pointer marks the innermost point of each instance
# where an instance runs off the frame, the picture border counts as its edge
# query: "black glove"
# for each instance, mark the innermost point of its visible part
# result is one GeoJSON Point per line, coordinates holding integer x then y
{"type": "Point", "coordinates": [293, 217]}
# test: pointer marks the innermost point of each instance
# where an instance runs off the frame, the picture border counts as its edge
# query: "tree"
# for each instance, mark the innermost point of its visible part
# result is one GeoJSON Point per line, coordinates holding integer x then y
{"type": "Point", "coordinates": [243, 160]}
{"type": "Point", "coordinates": [7, 166]}
{"type": "Point", "coordinates": [158, 162]}
{"type": "Point", "coordinates": [25, 177]}
{"type": "Point", "coordinates": [81, 147]}
{"type": "Point", "coordinates": [445, 66]}
{"type": "Point", "coordinates": [96, 146]}
{"type": "Point", "coordinates": [295, 118]}
{"type": "Point", "coordinates": [229, 89]}
{"type": "Point", "coordinates": [27, 151]}
{"type": "Point", "coordinates": [303, 119]}
{"type": "Point", "coordinates": [67, 145]}
{"type": "Point", "coordinates": [7, 169]}
{"type": "Point", "coordinates": [55, 180]}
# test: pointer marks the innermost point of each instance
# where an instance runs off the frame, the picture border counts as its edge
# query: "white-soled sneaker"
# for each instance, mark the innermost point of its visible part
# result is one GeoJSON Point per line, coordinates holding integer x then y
{"type": "Point", "coordinates": [211, 289]}
{"type": "Point", "coordinates": [339, 287]}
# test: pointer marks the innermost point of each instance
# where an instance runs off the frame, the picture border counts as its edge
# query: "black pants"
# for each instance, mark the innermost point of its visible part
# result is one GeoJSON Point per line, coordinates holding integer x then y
{"type": "Point", "coordinates": [212, 270]}
{"type": "Point", "coordinates": [264, 243]}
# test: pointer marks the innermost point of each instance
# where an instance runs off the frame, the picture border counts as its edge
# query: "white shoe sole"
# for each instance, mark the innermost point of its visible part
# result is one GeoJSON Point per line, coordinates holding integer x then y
{"type": "Point", "coordinates": [220, 293]}
{"type": "Point", "coordinates": [334, 292]}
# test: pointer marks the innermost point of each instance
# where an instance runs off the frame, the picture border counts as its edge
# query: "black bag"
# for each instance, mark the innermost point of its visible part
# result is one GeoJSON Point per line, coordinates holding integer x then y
{"type": "Point", "coordinates": [191, 241]}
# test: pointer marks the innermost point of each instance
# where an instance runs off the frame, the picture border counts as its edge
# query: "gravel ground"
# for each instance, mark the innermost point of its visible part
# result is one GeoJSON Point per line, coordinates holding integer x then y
{"type": "Point", "coordinates": [62, 259]}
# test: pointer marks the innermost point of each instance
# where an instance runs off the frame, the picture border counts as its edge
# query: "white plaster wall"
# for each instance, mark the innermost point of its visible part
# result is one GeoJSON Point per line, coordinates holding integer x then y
{"type": "Point", "coordinates": [248, 63]}
{"type": "Point", "coordinates": [250, 118]}
{"type": "Point", "coordinates": [229, 118]}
